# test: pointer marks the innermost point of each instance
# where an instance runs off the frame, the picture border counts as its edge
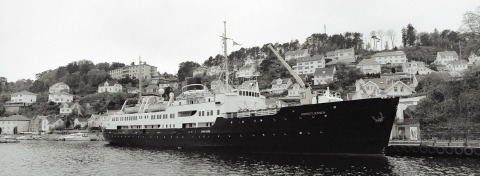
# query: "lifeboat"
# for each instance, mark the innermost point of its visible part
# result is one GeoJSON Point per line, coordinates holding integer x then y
{"type": "Point", "coordinates": [131, 110]}
{"type": "Point", "coordinates": [157, 107]}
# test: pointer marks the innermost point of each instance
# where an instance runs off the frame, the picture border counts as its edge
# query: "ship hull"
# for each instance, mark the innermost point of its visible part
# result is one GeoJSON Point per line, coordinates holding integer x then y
{"type": "Point", "coordinates": [356, 127]}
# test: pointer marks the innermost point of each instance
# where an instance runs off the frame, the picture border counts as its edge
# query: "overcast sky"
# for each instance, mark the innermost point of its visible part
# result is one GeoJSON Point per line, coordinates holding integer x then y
{"type": "Point", "coordinates": [38, 35]}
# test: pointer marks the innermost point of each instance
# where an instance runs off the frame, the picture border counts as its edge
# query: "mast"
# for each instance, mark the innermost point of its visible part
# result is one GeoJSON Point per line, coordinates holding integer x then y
{"type": "Point", "coordinates": [140, 78]}
{"type": "Point", "coordinates": [225, 54]}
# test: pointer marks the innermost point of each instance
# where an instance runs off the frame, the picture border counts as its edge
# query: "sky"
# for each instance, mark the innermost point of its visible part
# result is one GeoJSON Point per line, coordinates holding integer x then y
{"type": "Point", "coordinates": [38, 35]}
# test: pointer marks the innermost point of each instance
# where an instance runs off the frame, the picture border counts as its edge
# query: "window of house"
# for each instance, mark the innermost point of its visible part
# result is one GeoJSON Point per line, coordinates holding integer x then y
{"type": "Point", "coordinates": [395, 89]}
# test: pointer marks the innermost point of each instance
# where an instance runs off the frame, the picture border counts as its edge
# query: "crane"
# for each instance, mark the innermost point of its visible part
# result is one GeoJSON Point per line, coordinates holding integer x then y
{"type": "Point", "coordinates": [306, 93]}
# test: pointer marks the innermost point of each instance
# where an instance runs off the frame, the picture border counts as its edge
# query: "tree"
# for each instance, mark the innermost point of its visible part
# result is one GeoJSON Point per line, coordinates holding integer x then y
{"type": "Point", "coordinates": [103, 66]}
{"type": "Point", "coordinates": [404, 37]}
{"type": "Point", "coordinates": [116, 65]}
{"type": "Point", "coordinates": [411, 35]}
{"type": "Point", "coordinates": [185, 70]}
{"type": "Point", "coordinates": [96, 77]}
{"type": "Point", "coordinates": [37, 86]}
{"type": "Point", "coordinates": [380, 35]}
{"type": "Point", "coordinates": [391, 35]}
{"type": "Point", "coordinates": [471, 21]}
{"type": "Point", "coordinates": [72, 67]}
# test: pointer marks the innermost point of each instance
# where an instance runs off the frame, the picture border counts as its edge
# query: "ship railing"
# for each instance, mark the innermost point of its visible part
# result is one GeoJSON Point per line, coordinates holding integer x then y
{"type": "Point", "coordinates": [262, 112]}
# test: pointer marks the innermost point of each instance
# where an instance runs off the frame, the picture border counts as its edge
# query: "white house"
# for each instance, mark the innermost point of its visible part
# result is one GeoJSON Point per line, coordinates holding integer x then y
{"type": "Point", "coordinates": [54, 123]}
{"type": "Point", "coordinates": [59, 87]}
{"type": "Point", "coordinates": [369, 66]}
{"type": "Point", "coordinates": [457, 65]}
{"type": "Point", "coordinates": [381, 87]}
{"type": "Point", "coordinates": [199, 72]}
{"type": "Point", "coordinates": [473, 59]}
{"type": "Point", "coordinates": [132, 90]}
{"type": "Point", "coordinates": [147, 71]}
{"type": "Point", "coordinates": [213, 70]}
{"type": "Point", "coordinates": [14, 124]}
{"type": "Point", "coordinates": [110, 86]}
{"type": "Point", "coordinates": [416, 67]}
{"type": "Point", "coordinates": [294, 90]}
{"type": "Point", "coordinates": [280, 85]}
{"type": "Point", "coordinates": [444, 57]}
{"type": "Point", "coordinates": [296, 54]}
{"type": "Point", "coordinates": [342, 55]}
{"type": "Point", "coordinates": [247, 71]}
{"type": "Point", "coordinates": [390, 57]}
{"type": "Point", "coordinates": [308, 64]}
{"type": "Point", "coordinates": [83, 122]}
{"type": "Point", "coordinates": [38, 124]}
{"type": "Point", "coordinates": [399, 89]}
{"type": "Point", "coordinates": [69, 107]}
{"type": "Point", "coordinates": [60, 97]}
{"type": "Point", "coordinates": [324, 75]}
{"type": "Point", "coordinates": [23, 97]}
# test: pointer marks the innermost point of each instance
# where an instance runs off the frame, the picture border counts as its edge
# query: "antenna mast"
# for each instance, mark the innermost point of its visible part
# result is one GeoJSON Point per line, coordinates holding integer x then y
{"type": "Point", "coordinates": [225, 54]}
{"type": "Point", "coordinates": [140, 78]}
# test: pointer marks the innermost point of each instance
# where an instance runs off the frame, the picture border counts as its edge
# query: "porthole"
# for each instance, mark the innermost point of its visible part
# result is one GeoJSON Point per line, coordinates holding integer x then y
{"type": "Point", "coordinates": [334, 107]}
{"type": "Point", "coordinates": [261, 120]}
{"type": "Point", "coordinates": [241, 136]}
{"type": "Point", "coordinates": [274, 120]}
{"type": "Point", "coordinates": [300, 132]}
{"type": "Point", "coordinates": [300, 117]}
{"type": "Point", "coordinates": [325, 115]}
{"type": "Point", "coordinates": [253, 135]}
{"type": "Point", "coordinates": [263, 134]}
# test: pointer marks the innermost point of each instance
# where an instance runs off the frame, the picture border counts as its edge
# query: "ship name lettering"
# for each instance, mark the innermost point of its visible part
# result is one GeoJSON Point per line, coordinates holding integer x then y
{"type": "Point", "coordinates": [313, 113]}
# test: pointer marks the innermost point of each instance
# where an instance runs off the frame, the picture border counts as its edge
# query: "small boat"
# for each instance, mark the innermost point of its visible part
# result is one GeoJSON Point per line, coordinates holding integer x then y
{"type": "Point", "coordinates": [8, 139]}
{"type": "Point", "coordinates": [31, 137]}
{"type": "Point", "coordinates": [77, 137]}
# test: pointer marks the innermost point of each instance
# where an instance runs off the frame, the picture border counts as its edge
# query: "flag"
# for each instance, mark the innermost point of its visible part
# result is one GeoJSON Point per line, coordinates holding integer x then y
{"type": "Point", "coordinates": [235, 43]}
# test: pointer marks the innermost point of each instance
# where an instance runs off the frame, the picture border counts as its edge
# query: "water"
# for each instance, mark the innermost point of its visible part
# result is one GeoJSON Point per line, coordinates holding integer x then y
{"type": "Point", "coordinates": [99, 158]}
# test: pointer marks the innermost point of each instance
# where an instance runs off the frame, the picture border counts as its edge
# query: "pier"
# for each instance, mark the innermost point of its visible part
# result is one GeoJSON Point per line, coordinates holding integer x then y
{"type": "Point", "coordinates": [433, 148]}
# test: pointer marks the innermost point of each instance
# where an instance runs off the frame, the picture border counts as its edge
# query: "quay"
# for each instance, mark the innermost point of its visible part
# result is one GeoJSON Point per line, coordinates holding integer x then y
{"type": "Point", "coordinates": [433, 148]}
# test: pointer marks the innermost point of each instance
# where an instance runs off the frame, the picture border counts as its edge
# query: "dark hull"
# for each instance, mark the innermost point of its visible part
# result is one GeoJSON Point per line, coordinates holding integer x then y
{"type": "Point", "coordinates": [359, 126]}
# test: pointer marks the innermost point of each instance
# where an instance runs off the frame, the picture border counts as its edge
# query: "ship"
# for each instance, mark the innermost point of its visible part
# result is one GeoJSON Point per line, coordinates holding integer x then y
{"type": "Point", "coordinates": [238, 118]}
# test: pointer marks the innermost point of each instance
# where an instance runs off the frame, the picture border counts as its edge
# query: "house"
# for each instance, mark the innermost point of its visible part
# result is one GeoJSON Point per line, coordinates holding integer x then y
{"type": "Point", "coordinates": [134, 71]}
{"type": "Point", "coordinates": [70, 107]}
{"type": "Point", "coordinates": [18, 100]}
{"type": "Point", "coordinates": [342, 55]}
{"type": "Point", "coordinates": [82, 122]}
{"type": "Point", "coordinates": [14, 124]}
{"type": "Point", "coordinates": [324, 75]}
{"type": "Point", "coordinates": [416, 67]}
{"type": "Point", "coordinates": [55, 123]}
{"type": "Point", "coordinates": [199, 72]}
{"type": "Point", "coordinates": [444, 57]}
{"type": "Point", "coordinates": [381, 87]}
{"type": "Point", "coordinates": [473, 59]}
{"type": "Point", "coordinates": [399, 89]}
{"type": "Point", "coordinates": [60, 97]}
{"type": "Point", "coordinates": [294, 90]}
{"type": "Point", "coordinates": [97, 121]}
{"type": "Point", "coordinates": [38, 124]}
{"type": "Point", "coordinates": [213, 70]}
{"type": "Point", "coordinates": [369, 66]}
{"type": "Point", "coordinates": [457, 65]}
{"type": "Point", "coordinates": [296, 54]}
{"type": "Point", "coordinates": [249, 69]}
{"type": "Point", "coordinates": [390, 57]}
{"type": "Point", "coordinates": [280, 85]}
{"type": "Point", "coordinates": [59, 87]}
{"type": "Point", "coordinates": [308, 64]}
{"type": "Point", "coordinates": [406, 127]}
{"type": "Point", "coordinates": [110, 86]}
{"type": "Point", "coordinates": [23, 97]}
{"type": "Point", "coordinates": [151, 89]}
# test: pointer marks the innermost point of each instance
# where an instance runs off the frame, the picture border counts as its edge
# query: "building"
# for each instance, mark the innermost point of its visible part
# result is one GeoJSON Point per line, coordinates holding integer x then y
{"type": "Point", "coordinates": [82, 122]}
{"type": "Point", "coordinates": [416, 67]}
{"type": "Point", "coordinates": [14, 124]}
{"type": "Point", "coordinates": [369, 66]}
{"type": "Point", "coordinates": [151, 89]}
{"type": "Point", "coordinates": [249, 69]}
{"type": "Point", "coordinates": [324, 75]}
{"type": "Point", "coordinates": [38, 124]}
{"type": "Point", "coordinates": [70, 107]}
{"type": "Point", "coordinates": [457, 65]}
{"type": "Point", "coordinates": [134, 71]}
{"type": "Point", "coordinates": [55, 123]}
{"type": "Point", "coordinates": [473, 59]}
{"type": "Point", "coordinates": [110, 86]}
{"type": "Point", "coordinates": [296, 54]}
{"type": "Point", "coordinates": [23, 97]}
{"type": "Point", "coordinates": [59, 87]}
{"type": "Point", "coordinates": [97, 121]}
{"type": "Point", "coordinates": [444, 57]}
{"type": "Point", "coordinates": [406, 127]}
{"type": "Point", "coordinates": [294, 91]}
{"type": "Point", "coordinates": [60, 97]}
{"type": "Point", "coordinates": [213, 70]}
{"type": "Point", "coordinates": [280, 85]}
{"type": "Point", "coordinates": [307, 65]}
{"type": "Point", "coordinates": [342, 55]}
{"type": "Point", "coordinates": [390, 57]}
{"type": "Point", "coordinates": [381, 87]}
{"type": "Point", "coordinates": [199, 72]}
{"type": "Point", "coordinates": [398, 89]}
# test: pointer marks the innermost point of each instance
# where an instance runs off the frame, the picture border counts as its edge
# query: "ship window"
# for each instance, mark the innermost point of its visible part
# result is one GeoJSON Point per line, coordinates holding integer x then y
{"type": "Point", "coordinates": [208, 113]}
{"type": "Point", "coordinates": [211, 112]}
{"type": "Point", "coordinates": [239, 92]}
{"type": "Point", "coordinates": [218, 112]}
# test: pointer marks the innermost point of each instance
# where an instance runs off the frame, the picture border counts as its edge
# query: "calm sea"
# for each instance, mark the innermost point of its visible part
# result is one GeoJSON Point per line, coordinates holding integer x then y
{"type": "Point", "coordinates": [99, 158]}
